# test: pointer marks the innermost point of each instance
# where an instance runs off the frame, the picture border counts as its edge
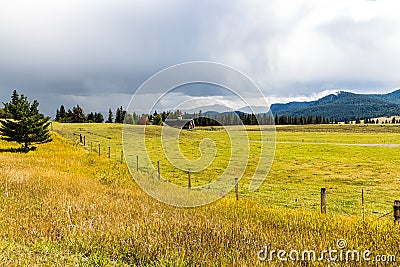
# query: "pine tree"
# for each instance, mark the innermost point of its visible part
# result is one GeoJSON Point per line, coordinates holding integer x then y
{"type": "Point", "coordinates": [69, 116]}
{"type": "Point", "coordinates": [78, 115]}
{"type": "Point", "coordinates": [90, 117]}
{"type": "Point", "coordinates": [98, 117]}
{"type": "Point", "coordinates": [157, 119]}
{"type": "Point", "coordinates": [62, 113]}
{"type": "Point", "coordinates": [57, 115]}
{"type": "Point", "coordinates": [164, 115]}
{"type": "Point", "coordinates": [118, 116]}
{"type": "Point", "coordinates": [110, 116]}
{"type": "Point", "coordinates": [26, 126]}
{"type": "Point", "coordinates": [14, 107]}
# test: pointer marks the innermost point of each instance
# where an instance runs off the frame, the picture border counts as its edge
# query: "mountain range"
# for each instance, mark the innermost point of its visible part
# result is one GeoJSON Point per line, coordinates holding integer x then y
{"type": "Point", "coordinates": [340, 106]}
{"type": "Point", "coordinates": [344, 105]}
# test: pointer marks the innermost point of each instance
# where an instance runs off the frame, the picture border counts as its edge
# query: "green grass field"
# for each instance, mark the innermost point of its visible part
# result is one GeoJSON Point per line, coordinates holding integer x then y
{"type": "Point", "coordinates": [62, 205]}
{"type": "Point", "coordinates": [306, 159]}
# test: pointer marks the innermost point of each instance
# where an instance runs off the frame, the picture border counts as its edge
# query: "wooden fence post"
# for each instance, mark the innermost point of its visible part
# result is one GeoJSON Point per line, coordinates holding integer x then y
{"type": "Point", "coordinates": [323, 200]}
{"type": "Point", "coordinates": [109, 152]}
{"type": "Point", "coordinates": [362, 202]}
{"type": "Point", "coordinates": [99, 150]}
{"type": "Point", "coordinates": [189, 180]}
{"type": "Point", "coordinates": [137, 163]}
{"type": "Point", "coordinates": [158, 167]}
{"type": "Point", "coordinates": [80, 138]}
{"type": "Point", "coordinates": [84, 140]}
{"type": "Point", "coordinates": [396, 209]}
{"type": "Point", "coordinates": [237, 188]}
{"type": "Point", "coordinates": [122, 156]}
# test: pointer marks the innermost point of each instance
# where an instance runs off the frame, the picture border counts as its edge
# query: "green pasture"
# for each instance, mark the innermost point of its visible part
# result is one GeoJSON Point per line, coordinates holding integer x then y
{"type": "Point", "coordinates": [345, 159]}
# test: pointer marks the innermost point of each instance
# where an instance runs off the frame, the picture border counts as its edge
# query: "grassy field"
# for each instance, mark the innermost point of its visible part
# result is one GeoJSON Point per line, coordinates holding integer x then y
{"type": "Point", "coordinates": [306, 158]}
{"type": "Point", "coordinates": [61, 205]}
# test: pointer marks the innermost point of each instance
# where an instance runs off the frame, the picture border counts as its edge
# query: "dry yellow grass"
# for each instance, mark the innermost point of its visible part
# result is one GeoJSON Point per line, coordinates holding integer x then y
{"type": "Point", "coordinates": [306, 158]}
{"type": "Point", "coordinates": [61, 205]}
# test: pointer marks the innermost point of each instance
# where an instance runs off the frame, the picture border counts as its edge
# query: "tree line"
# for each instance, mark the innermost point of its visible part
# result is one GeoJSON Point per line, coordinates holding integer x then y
{"type": "Point", "coordinates": [77, 115]}
{"type": "Point", "coordinates": [303, 120]}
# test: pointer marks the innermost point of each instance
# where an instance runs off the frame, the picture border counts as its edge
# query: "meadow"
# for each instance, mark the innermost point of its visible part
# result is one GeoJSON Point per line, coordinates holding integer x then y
{"type": "Point", "coordinates": [64, 205]}
{"type": "Point", "coordinates": [345, 159]}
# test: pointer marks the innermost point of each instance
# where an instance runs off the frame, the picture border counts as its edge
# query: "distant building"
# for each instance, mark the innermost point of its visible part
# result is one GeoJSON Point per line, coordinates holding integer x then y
{"type": "Point", "coordinates": [180, 123]}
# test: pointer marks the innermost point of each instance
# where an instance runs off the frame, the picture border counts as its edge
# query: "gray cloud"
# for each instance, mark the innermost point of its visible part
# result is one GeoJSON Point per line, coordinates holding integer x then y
{"type": "Point", "coordinates": [97, 52]}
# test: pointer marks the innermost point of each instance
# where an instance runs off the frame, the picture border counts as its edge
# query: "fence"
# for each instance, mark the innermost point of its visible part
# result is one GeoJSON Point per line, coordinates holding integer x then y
{"type": "Point", "coordinates": [331, 202]}
{"type": "Point", "coordinates": [330, 199]}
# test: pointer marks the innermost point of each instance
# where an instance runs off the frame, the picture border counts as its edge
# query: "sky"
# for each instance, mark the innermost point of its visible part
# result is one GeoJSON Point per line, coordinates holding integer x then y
{"type": "Point", "coordinates": [96, 53]}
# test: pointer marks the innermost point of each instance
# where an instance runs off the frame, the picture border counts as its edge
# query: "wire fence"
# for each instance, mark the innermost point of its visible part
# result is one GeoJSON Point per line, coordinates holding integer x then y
{"type": "Point", "coordinates": [343, 201]}
{"type": "Point", "coordinates": [357, 203]}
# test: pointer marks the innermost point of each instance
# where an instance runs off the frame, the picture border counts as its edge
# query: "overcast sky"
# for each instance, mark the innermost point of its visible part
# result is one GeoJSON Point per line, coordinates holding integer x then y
{"type": "Point", "coordinates": [96, 53]}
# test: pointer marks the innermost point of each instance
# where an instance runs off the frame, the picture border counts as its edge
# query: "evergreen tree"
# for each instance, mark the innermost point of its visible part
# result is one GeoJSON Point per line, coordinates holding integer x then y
{"type": "Point", "coordinates": [157, 119]}
{"type": "Point", "coordinates": [68, 116]}
{"type": "Point", "coordinates": [14, 107]}
{"type": "Point", "coordinates": [90, 117]}
{"type": "Point", "coordinates": [62, 113]}
{"type": "Point", "coordinates": [164, 115]}
{"type": "Point", "coordinates": [78, 115]}
{"type": "Point", "coordinates": [120, 115]}
{"type": "Point", "coordinates": [123, 115]}
{"type": "Point", "coordinates": [57, 115]}
{"type": "Point", "coordinates": [110, 116]}
{"type": "Point", "coordinates": [98, 118]}
{"type": "Point", "coordinates": [27, 126]}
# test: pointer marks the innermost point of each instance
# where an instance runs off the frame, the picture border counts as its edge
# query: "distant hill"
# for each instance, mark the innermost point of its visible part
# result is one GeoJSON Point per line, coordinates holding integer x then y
{"type": "Point", "coordinates": [344, 105]}
{"type": "Point", "coordinates": [340, 106]}
{"type": "Point", "coordinates": [276, 108]}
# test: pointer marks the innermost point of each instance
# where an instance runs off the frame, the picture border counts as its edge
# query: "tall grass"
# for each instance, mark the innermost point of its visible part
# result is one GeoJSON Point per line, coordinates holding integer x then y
{"type": "Point", "coordinates": [306, 159]}
{"type": "Point", "coordinates": [61, 205]}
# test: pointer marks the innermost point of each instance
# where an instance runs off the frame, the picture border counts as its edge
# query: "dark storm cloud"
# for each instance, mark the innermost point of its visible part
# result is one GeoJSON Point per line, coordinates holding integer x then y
{"type": "Point", "coordinates": [98, 47]}
{"type": "Point", "coordinates": [97, 53]}
{"type": "Point", "coordinates": [201, 89]}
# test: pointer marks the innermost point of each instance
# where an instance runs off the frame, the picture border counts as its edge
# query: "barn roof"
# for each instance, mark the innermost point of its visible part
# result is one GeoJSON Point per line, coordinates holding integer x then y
{"type": "Point", "coordinates": [177, 122]}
